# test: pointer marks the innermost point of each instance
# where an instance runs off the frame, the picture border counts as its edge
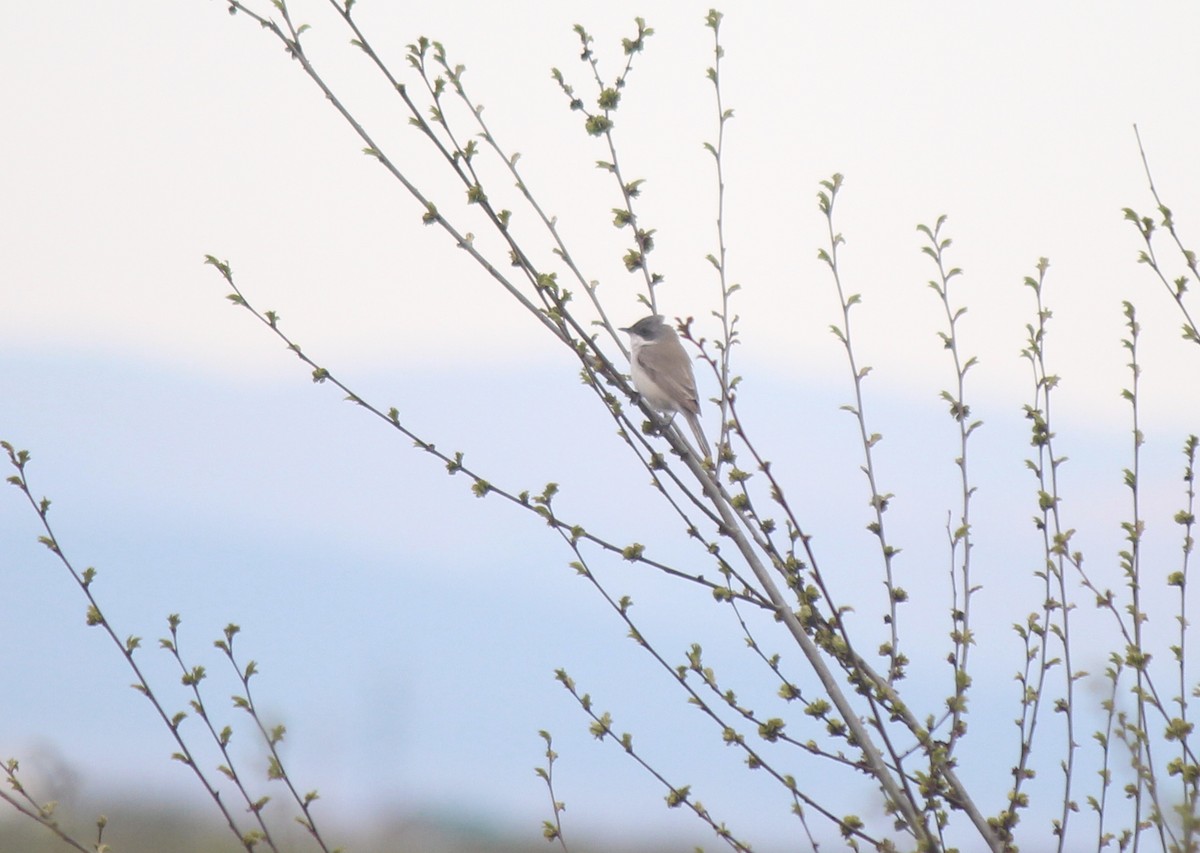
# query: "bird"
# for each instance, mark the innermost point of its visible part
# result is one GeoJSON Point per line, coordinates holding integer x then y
{"type": "Point", "coordinates": [662, 373]}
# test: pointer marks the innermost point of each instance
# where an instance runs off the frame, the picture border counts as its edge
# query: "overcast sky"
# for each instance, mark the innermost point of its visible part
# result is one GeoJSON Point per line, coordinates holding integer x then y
{"type": "Point", "coordinates": [407, 631]}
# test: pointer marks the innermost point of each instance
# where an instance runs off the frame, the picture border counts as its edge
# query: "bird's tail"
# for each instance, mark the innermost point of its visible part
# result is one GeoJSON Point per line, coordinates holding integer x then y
{"type": "Point", "coordinates": [694, 422]}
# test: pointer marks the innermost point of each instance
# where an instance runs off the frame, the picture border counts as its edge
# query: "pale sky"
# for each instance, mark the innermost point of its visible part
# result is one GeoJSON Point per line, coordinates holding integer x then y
{"type": "Point", "coordinates": [407, 631]}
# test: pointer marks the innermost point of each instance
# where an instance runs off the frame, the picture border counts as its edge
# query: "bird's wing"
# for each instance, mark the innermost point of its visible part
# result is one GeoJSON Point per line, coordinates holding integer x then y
{"type": "Point", "coordinates": [657, 367]}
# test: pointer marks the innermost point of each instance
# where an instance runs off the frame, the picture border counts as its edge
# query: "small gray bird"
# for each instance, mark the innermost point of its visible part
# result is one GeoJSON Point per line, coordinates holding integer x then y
{"type": "Point", "coordinates": [662, 373]}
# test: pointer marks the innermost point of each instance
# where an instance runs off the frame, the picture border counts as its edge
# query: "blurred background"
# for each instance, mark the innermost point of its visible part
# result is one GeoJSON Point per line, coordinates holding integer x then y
{"type": "Point", "coordinates": [408, 632]}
